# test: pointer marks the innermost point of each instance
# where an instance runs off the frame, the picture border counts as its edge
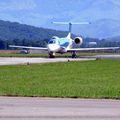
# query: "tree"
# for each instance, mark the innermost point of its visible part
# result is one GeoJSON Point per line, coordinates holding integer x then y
{"type": "Point", "coordinates": [2, 44]}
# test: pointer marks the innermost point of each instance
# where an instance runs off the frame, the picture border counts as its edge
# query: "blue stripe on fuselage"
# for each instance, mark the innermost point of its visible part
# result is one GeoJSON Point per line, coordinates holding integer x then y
{"type": "Point", "coordinates": [64, 42]}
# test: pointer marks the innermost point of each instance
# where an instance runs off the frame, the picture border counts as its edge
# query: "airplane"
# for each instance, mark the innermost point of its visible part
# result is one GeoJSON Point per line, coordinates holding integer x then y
{"type": "Point", "coordinates": [65, 44]}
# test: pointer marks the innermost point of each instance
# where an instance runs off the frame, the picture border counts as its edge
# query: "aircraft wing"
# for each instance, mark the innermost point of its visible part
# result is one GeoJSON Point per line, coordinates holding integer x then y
{"type": "Point", "coordinates": [91, 49]}
{"type": "Point", "coordinates": [25, 47]}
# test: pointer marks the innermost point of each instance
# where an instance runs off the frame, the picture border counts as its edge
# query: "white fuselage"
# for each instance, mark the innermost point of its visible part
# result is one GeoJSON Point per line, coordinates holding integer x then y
{"type": "Point", "coordinates": [59, 45]}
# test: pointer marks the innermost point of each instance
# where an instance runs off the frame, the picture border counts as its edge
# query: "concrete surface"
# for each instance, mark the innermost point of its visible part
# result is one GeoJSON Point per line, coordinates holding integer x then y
{"type": "Point", "coordinates": [108, 56]}
{"type": "Point", "coordinates": [103, 56]}
{"type": "Point", "coordinates": [18, 108]}
{"type": "Point", "coordinates": [16, 60]}
{"type": "Point", "coordinates": [19, 60]}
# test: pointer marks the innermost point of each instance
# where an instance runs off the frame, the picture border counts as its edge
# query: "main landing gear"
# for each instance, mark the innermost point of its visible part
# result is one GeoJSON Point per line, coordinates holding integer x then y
{"type": "Point", "coordinates": [74, 54]}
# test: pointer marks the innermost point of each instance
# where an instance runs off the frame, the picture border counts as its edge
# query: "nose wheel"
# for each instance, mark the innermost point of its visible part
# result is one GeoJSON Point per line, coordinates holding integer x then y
{"type": "Point", "coordinates": [51, 55]}
{"type": "Point", "coordinates": [74, 54]}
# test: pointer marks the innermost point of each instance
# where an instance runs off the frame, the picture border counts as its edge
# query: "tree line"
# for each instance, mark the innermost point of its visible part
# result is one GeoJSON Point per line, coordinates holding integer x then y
{"type": "Point", "coordinates": [4, 44]}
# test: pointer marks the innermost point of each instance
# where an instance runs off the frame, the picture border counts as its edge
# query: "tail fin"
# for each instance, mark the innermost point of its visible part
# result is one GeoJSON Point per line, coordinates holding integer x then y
{"type": "Point", "coordinates": [69, 35]}
{"type": "Point", "coordinates": [70, 25]}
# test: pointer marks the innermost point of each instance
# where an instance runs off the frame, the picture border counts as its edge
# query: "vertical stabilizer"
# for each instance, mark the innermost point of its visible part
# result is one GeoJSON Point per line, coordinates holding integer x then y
{"type": "Point", "coordinates": [70, 27]}
{"type": "Point", "coordinates": [69, 35]}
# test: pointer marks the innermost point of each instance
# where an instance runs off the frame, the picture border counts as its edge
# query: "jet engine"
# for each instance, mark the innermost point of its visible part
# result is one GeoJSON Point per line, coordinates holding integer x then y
{"type": "Point", "coordinates": [78, 40]}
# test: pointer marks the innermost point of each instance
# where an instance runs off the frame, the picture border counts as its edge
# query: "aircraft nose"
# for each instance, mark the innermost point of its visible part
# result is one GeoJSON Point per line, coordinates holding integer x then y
{"type": "Point", "coordinates": [53, 48]}
{"type": "Point", "coordinates": [50, 48]}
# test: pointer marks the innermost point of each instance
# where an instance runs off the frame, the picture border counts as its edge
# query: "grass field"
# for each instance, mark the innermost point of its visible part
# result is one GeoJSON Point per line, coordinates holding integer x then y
{"type": "Point", "coordinates": [22, 55]}
{"type": "Point", "coordinates": [87, 79]}
{"type": "Point", "coordinates": [57, 55]}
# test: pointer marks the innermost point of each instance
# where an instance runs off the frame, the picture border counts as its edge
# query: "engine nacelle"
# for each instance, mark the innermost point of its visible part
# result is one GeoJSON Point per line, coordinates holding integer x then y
{"type": "Point", "coordinates": [78, 40]}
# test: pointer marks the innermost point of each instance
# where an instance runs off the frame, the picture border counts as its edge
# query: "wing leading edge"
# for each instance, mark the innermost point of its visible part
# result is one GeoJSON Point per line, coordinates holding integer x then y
{"type": "Point", "coordinates": [91, 49]}
{"type": "Point", "coordinates": [25, 47]}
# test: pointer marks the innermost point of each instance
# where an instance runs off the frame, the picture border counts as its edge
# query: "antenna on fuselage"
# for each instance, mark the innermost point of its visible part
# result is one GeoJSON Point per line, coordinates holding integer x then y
{"type": "Point", "coordinates": [70, 24]}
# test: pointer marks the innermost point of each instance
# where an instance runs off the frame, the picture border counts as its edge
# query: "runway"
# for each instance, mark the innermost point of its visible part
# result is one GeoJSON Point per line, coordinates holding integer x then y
{"type": "Point", "coordinates": [108, 56]}
{"type": "Point", "coordinates": [19, 108]}
{"type": "Point", "coordinates": [26, 60]}
{"type": "Point", "coordinates": [16, 60]}
{"type": "Point", "coordinates": [103, 56]}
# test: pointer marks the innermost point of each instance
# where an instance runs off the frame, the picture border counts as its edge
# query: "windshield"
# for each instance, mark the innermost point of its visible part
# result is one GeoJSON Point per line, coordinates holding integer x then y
{"type": "Point", "coordinates": [52, 42]}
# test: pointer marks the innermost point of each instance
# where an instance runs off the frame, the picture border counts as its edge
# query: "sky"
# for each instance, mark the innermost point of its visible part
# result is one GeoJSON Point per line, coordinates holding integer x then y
{"type": "Point", "coordinates": [33, 12]}
{"type": "Point", "coordinates": [38, 12]}
{"type": "Point", "coordinates": [41, 13]}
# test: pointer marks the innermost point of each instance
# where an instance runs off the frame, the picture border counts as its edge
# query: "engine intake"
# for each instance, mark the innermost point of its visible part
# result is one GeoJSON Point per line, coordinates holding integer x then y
{"type": "Point", "coordinates": [78, 40]}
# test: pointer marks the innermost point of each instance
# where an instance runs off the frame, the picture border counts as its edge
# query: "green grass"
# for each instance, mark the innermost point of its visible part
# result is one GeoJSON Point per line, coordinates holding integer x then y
{"type": "Point", "coordinates": [88, 79]}
{"type": "Point", "coordinates": [22, 55]}
{"type": "Point", "coordinates": [57, 55]}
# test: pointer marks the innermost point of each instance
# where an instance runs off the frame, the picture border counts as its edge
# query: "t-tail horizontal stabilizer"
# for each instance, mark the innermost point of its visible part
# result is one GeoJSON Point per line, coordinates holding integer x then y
{"type": "Point", "coordinates": [70, 25]}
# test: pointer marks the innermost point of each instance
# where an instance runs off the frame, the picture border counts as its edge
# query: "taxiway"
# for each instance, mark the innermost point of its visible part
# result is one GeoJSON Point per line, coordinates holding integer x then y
{"type": "Point", "coordinates": [18, 60]}
{"type": "Point", "coordinates": [25, 60]}
{"type": "Point", "coordinates": [19, 108]}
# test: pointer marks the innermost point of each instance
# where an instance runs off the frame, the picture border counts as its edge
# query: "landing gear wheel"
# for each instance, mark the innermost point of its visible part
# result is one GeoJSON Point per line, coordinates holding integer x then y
{"type": "Point", "coordinates": [51, 55]}
{"type": "Point", "coordinates": [74, 55]}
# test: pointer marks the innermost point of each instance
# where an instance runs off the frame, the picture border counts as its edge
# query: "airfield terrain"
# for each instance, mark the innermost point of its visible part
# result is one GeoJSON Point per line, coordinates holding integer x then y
{"type": "Point", "coordinates": [85, 79]}
{"type": "Point", "coordinates": [62, 79]}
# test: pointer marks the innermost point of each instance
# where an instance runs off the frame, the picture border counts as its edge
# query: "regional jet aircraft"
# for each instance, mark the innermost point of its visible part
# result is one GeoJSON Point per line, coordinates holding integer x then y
{"type": "Point", "coordinates": [63, 45]}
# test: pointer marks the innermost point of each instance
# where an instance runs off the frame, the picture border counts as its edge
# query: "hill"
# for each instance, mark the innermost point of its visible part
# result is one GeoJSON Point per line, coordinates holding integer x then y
{"type": "Point", "coordinates": [102, 28]}
{"type": "Point", "coordinates": [14, 30]}
{"type": "Point", "coordinates": [115, 38]}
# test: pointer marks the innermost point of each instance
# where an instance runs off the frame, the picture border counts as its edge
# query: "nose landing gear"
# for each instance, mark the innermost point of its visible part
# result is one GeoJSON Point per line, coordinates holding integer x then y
{"type": "Point", "coordinates": [51, 55]}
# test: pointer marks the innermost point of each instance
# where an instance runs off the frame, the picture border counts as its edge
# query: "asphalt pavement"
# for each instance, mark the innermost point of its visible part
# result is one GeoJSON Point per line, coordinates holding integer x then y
{"type": "Point", "coordinates": [27, 108]}
{"type": "Point", "coordinates": [26, 60]}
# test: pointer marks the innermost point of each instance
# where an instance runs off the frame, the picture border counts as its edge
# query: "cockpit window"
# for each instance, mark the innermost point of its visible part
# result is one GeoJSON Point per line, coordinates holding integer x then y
{"type": "Point", "coordinates": [52, 42]}
{"type": "Point", "coordinates": [53, 37]}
